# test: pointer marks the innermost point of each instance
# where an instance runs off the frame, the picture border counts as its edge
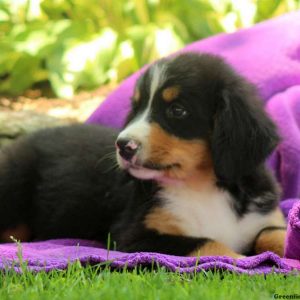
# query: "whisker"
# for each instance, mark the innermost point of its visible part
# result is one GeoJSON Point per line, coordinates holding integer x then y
{"type": "Point", "coordinates": [113, 167]}
{"type": "Point", "coordinates": [107, 156]}
{"type": "Point", "coordinates": [108, 147]}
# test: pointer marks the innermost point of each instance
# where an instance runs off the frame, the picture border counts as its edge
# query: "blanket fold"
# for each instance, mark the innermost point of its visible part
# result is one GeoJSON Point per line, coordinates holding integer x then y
{"type": "Point", "coordinates": [292, 245]}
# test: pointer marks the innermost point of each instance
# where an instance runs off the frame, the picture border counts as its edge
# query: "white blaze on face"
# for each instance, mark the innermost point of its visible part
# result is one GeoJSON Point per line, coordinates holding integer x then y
{"type": "Point", "coordinates": [139, 128]}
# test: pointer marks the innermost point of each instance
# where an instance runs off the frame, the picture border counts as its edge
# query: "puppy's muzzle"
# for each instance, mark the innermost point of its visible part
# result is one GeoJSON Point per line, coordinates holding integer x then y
{"type": "Point", "coordinates": [127, 148]}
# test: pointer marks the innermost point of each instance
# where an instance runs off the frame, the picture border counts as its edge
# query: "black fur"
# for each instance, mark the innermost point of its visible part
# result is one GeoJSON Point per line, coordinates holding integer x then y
{"type": "Point", "coordinates": [64, 182]}
{"type": "Point", "coordinates": [243, 132]}
{"type": "Point", "coordinates": [61, 187]}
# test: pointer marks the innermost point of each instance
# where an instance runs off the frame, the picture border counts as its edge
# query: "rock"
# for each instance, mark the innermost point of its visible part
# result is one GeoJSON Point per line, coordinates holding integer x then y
{"type": "Point", "coordinates": [17, 123]}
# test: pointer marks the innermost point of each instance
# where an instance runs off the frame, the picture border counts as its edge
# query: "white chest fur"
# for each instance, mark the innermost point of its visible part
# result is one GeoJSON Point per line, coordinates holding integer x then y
{"type": "Point", "coordinates": [210, 214]}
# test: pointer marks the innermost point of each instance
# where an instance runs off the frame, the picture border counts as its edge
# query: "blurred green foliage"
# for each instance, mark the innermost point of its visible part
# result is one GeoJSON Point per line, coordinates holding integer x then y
{"type": "Point", "coordinates": [85, 43]}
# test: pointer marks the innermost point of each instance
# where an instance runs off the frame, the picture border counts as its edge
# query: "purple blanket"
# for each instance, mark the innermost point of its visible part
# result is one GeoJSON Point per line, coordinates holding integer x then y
{"type": "Point", "coordinates": [268, 54]}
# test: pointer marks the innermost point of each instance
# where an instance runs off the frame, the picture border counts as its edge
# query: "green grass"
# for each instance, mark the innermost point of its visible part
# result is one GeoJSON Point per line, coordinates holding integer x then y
{"type": "Point", "coordinates": [78, 282]}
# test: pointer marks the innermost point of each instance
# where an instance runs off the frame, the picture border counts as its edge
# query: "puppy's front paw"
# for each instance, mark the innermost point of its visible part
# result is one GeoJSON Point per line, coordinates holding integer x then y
{"type": "Point", "coordinates": [272, 239]}
{"type": "Point", "coordinates": [214, 248]}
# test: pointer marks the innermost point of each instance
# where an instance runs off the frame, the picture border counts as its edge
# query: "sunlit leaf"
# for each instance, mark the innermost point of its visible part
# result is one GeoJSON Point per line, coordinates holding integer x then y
{"type": "Point", "coordinates": [32, 42]}
{"type": "Point", "coordinates": [266, 8]}
{"type": "Point", "coordinates": [4, 16]}
{"type": "Point", "coordinates": [34, 11]}
{"type": "Point", "coordinates": [82, 63]}
{"type": "Point", "coordinates": [166, 42]}
{"type": "Point", "coordinates": [8, 58]}
{"type": "Point", "coordinates": [124, 62]}
{"type": "Point", "coordinates": [22, 75]}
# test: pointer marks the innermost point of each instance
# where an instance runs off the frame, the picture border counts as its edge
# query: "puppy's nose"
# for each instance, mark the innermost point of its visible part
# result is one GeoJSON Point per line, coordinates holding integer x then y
{"type": "Point", "coordinates": [127, 148]}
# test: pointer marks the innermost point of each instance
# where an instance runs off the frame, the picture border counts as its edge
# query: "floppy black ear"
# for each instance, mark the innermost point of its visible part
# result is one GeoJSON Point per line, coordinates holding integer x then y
{"type": "Point", "coordinates": [243, 135]}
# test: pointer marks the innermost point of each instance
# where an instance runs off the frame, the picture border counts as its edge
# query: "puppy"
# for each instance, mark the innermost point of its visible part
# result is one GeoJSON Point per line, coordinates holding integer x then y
{"type": "Point", "coordinates": [189, 179]}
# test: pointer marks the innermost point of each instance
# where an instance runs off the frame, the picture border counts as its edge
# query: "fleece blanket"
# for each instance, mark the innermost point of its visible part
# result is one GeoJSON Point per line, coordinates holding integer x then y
{"type": "Point", "coordinates": [268, 54]}
{"type": "Point", "coordinates": [58, 254]}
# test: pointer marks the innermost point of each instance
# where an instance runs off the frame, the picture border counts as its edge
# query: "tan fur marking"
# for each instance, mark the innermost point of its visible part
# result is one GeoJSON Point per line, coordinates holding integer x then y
{"type": "Point", "coordinates": [170, 93]}
{"type": "Point", "coordinates": [271, 240]}
{"type": "Point", "coordinates": [137, 95]}
{"type": "Point", "coordinates": [215, 248]}
{"type": "Point", "coordinates": [163, 222]}
{"type": "Point", "coordinates": [278, 218]}
{"type": "Point", "coordinates": [193, 156]}
{"type": "Point", "coordinates": [20, 233]}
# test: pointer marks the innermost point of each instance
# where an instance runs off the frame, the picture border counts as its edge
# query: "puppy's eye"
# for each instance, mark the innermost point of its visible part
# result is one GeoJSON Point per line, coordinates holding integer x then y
{"type": "Point", "coordinates": [177, 111]}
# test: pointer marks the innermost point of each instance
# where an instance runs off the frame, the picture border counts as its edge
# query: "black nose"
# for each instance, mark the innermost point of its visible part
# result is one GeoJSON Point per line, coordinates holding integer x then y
{"type": "Point", "coordinates": [127, 148]}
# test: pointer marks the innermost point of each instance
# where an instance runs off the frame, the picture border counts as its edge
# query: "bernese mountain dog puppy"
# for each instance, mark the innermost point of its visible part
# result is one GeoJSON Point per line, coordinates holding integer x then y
{"type": "Point", "coordinates": [185, 176]}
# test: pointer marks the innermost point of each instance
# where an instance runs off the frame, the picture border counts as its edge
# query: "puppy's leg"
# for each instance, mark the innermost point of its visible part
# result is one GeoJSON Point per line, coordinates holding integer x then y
{"type": "Point", "coordinates": [17, 163]}
{"type": "Point", "coordinates": [215, 248]}
{"type": "Point", "coordinates": [178, 245]}
{"type": "Point", "coordinates": [271, 239]}
{"type": "Point", "coordinates": [19, 232]}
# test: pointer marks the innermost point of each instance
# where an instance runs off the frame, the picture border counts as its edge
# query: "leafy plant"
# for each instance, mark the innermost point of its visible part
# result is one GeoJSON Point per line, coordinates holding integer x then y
{"type": "Point", "coordinates": [81, 44]}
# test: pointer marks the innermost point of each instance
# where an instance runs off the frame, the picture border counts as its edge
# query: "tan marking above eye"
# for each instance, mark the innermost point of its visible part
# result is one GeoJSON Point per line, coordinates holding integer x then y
{"type": "Point", "coordinates": [136, 95]}
{"type": "Point", "coordinates": [170, 93]}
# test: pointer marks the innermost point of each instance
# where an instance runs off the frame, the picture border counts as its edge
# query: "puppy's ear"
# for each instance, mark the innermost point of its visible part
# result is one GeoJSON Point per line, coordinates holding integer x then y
{"type": "Point", "coordinates": [243, 135]}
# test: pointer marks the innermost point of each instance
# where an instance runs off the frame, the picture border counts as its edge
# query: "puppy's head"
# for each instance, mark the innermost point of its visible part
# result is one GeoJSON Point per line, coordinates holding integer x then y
{"type": "Point", "coordinates": [192, 114]}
